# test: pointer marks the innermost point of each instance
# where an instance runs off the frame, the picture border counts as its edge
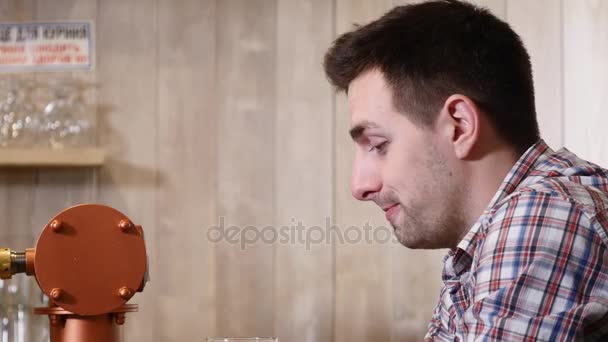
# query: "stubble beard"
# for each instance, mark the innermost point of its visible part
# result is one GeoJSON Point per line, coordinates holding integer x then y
{"type": "Point", "coordinates": [433, 225]}
{"type": "Point", "coordinates": [416, 232]}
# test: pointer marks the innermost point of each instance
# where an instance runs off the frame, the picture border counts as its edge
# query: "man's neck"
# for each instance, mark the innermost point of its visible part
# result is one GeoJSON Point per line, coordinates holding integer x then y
{"type": "Point", "coordinates": [486, 176]}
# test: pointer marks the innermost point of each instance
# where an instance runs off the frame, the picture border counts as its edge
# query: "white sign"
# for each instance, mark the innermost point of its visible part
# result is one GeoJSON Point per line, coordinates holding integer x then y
{"type": "Point", "coordinates": [45, 46]}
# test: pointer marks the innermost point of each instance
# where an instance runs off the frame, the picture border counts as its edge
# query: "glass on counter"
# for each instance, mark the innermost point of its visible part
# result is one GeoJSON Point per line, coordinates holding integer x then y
{"type": "Point", "coordinates": [242, 339]}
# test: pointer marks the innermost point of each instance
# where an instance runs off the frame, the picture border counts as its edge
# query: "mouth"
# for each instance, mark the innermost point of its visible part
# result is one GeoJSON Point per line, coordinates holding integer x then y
{"type": "Point", "coordinates": [388, 207]}
{"type": "Point", "coordinates": [391, 211]}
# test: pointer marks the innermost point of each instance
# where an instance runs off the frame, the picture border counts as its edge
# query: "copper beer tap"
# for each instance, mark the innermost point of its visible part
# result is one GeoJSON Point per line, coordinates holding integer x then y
{"type": "Point", "coordinates": [89, 260]}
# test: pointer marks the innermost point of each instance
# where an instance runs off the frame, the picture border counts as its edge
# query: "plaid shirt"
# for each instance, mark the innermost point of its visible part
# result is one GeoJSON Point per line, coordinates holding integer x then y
{"type": "Point", "coordinates": [534, 267]}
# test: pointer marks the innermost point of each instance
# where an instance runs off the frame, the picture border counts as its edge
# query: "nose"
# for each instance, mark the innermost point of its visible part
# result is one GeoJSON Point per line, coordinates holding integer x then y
{"type": "Point", "coordinates": [365, 181]}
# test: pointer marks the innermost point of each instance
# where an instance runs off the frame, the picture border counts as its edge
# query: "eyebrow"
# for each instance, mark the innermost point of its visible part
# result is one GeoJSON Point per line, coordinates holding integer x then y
{"type": "Point", "coordinates": [357, 131]}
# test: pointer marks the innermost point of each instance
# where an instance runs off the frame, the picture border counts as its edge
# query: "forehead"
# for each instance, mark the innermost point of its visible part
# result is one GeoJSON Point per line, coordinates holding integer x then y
{"type": "Point", "coordinates": [370, 98]}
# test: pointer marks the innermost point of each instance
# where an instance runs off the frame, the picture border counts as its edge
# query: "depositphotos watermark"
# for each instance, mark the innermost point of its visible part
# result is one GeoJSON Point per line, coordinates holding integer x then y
{"type": "Point", "coordinates": [299, 234]}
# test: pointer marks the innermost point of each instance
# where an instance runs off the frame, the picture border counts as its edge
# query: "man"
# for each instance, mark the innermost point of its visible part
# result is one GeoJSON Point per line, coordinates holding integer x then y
{"type": "Point", "coordinates": [447, 144]}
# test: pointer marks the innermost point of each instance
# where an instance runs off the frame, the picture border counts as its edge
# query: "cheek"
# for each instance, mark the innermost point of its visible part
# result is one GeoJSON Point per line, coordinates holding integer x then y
{"type": "Point", "coordinates": [405, 163]}
{"type": "Point", "coordinates": [401, 170]}
{"type": "Point", "coordinates": [412, 174]}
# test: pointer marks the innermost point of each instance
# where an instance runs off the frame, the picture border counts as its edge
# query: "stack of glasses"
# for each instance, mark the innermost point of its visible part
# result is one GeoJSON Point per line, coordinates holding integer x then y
{"type": "Point", "coordinates": [43, 114]}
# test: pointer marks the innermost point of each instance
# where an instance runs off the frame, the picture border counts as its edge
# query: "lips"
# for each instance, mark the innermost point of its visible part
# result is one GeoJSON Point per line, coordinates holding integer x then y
{"type": "Point", "coordinates": [391, 212]}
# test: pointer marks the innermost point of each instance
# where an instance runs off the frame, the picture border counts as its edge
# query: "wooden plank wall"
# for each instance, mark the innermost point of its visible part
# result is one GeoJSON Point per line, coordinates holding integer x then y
{"type": "Point", "coordinates": [303, 167]}
{"type": "Point", "coordinates": [585, 75]}
{"type": "Point", "coordinates": [246, 81]}
{"type": "Point", "coordinates": [217, 111]}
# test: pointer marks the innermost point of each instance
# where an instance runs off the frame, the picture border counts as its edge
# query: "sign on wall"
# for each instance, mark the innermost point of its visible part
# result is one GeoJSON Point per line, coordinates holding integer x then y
{"type": "Point", "coordinates": [45, 46]}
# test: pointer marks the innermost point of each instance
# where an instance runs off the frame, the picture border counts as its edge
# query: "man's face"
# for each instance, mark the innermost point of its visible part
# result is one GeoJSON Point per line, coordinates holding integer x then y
{"type": "Point", "coordinates": [400, 167]}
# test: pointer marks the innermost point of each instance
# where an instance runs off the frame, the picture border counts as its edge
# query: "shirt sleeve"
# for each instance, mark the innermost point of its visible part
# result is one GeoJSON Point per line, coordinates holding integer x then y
{"type": "Point", "coordinates": [436, 329]}
{"type": "Point", "coordinates": [538, 274]}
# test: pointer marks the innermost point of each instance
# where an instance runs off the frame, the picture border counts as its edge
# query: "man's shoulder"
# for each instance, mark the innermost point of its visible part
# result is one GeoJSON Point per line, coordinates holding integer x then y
{"type": "Point", "coordinates": [589, 199]}
{"type": "Point", "coordinates": [558, 198]}
{"type": "Point", "coordinates": [563, 176]}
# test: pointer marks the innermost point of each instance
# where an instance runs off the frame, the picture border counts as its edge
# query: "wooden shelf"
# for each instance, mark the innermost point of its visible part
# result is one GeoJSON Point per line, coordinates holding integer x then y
{"type": "Point", "coordinates": [46, 157]}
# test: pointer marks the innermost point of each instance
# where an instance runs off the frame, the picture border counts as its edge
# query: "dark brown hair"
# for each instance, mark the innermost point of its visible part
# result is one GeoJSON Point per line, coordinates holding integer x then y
{"type": "Point", "coordinates": [431, 50]}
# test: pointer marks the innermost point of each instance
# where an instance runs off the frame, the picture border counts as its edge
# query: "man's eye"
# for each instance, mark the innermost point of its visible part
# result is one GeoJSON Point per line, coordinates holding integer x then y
{"type": "Point", "coordinates": [380, 148]}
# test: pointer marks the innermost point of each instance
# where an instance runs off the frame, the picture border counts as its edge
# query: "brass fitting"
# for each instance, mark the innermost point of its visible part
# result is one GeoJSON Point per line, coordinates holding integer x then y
{"type": "Point", "coordinates": [5, 263]}
{"type": "Point", "coordinates": [11, 262]}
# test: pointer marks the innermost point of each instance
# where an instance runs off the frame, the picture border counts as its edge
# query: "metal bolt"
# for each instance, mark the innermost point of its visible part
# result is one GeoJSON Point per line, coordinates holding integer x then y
{"type": "Point", "coordinates": [56, 225]}
{"type": "Point", "coordinates": [55, 320]}
{"type": "Point", "coordinates": [125, 225]}
{"type": "Point", "coordinates": [119, 318]}
{"type": "Point", "coordinates": [56, 293]}
{"type": "Point", "coordinates": [125, 292]}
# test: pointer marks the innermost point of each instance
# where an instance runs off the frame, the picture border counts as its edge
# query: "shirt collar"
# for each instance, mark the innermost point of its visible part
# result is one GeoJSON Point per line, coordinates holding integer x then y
{"type": "Point", "coordinates": [461, 256]}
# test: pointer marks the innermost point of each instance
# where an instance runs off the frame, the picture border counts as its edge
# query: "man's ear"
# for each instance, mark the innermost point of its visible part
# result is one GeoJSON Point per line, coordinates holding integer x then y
{"type": "Point", "coordinates": [460, 123]}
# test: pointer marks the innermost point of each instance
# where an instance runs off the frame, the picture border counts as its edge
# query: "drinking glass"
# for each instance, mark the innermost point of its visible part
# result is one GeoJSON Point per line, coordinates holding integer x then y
{"type": "Point", "coordinates": [66, 122]}
{"type": "Point", "coordinates": [19, 122]}
{"type": "Point", "coordinates": [242, 339]}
